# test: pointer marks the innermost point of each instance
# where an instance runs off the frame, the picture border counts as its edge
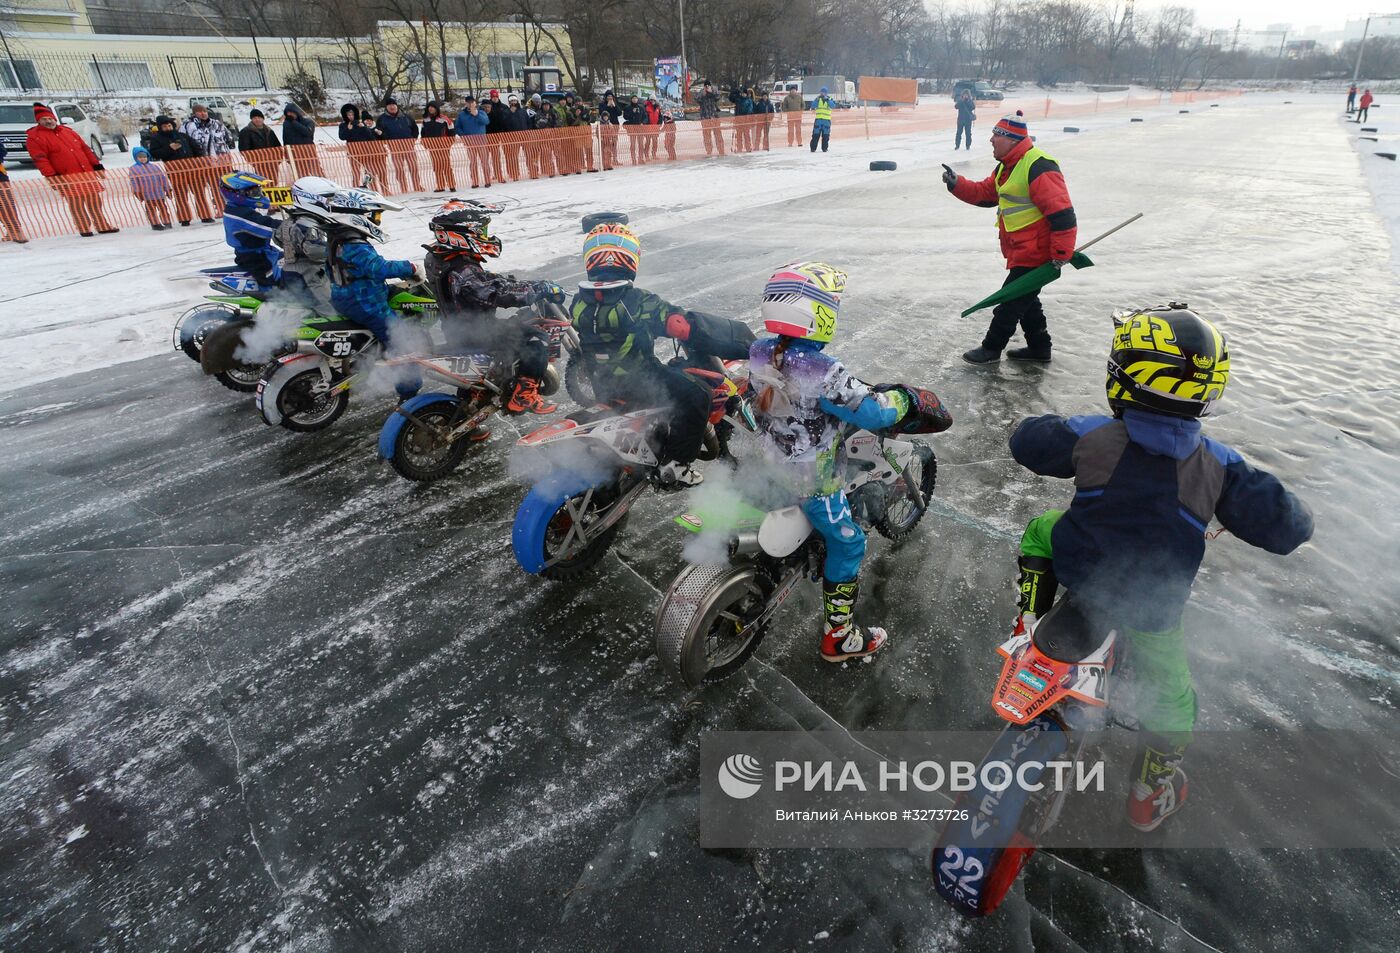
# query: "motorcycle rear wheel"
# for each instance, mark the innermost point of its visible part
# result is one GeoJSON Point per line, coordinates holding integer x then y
{"type": "Point", "coordinates": [705, 629]}
{"type": "Point", "coordinates": [305, 411]}
{"type": "Point", "coordinates": [901, 513]}
{"type": "Point", "coordinates": [419, 455]}
{"type": "Point", "coordinates": [556, 534]}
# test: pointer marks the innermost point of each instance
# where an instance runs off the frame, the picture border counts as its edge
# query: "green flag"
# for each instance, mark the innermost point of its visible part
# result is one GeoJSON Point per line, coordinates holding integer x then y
{"type": "Point", "coordinates": [1029, 283]}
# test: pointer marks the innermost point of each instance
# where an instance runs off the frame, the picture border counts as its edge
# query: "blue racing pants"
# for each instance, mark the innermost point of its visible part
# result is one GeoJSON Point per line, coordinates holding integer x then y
{"type": "Point", "coordinates": [845, 542]}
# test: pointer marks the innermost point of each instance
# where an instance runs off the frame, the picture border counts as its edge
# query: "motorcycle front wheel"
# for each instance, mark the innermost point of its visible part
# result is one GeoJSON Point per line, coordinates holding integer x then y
{"type": "Point", "coordinates": [419, 454]}
{"type": "Point", "coordinates": [569, 530]}
{"type": "Point", "coordinates": [306, 407]}
{"type": "Point", "coordinates": [243, 378]}
{"type": "Point", "coordinates": [578, 384]}
{"type": "Point", "coordinates": [707, 626]}
{"type": "Point", "coordinates": [902, 514]}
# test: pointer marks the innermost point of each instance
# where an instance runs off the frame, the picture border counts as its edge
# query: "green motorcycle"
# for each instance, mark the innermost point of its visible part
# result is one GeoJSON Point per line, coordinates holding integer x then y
{"type": "Point", "coordinates": [306, 387]}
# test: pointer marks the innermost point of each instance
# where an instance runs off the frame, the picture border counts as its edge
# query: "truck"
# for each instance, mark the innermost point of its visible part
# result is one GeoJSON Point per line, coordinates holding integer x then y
{"type": "Point", "coordinates": [841, 90]}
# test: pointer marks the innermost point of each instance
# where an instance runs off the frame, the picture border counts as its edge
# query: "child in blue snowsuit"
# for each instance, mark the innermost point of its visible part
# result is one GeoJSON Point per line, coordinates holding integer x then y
{"type": "Point", "coordinates": [247, 230]}
{"type": "Point", "coordinates": [804, 398]}
{"type": "Point", "coordinates": [1130, 543]}
{"type": "Point", "coordinates": [358, 273]}
{"type": "Point", "coordinates": [151, 185]}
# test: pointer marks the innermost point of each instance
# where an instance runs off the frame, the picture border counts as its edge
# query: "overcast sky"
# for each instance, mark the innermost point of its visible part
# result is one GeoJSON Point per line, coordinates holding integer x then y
{"type": "Point", "coordinates": [1259, 14]}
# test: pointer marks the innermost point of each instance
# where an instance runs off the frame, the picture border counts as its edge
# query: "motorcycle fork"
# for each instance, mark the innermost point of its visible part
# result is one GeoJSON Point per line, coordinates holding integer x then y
{"type": "Point", "coordinates": [578, 536]}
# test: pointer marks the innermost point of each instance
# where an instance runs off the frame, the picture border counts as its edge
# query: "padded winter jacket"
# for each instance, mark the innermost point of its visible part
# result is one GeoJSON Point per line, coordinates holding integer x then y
{"type": "Point", "coordinates": [59, 151]}
{"type": "Point", "coordinates": [469, 125]}
{"type": "Point", "coordinates": [1146, 487]}
{"type": "Point", "coordinates": [1051, 237]}
{"type": "Point", "coordinates": [357, 281]}
{"type": "Point", "coordinates": [163, 146]}
{"type": "Point", "coordinates": [250, 137]}
{"type": "Point", "coordinates": [212, 136]}
{"type": "Point", "coordinates": [297, 130]}
{"type": "Point", "coordinates": [401, 126]}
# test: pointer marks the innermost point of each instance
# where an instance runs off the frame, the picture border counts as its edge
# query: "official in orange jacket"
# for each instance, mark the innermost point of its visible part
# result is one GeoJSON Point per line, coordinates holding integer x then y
{"type": "Point", "coordinates": [1035, 220]}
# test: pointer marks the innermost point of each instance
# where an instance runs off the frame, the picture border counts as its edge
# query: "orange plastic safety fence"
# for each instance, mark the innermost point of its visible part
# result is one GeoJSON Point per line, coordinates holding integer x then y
{"type": "Point", "coordinates": [65, 206]}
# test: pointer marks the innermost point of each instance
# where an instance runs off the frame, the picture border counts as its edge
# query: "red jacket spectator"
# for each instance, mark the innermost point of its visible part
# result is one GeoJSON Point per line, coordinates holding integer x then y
{"type": "Point", "coordinates": [1366, 99]}
{"type": "Point", "coordinates": [653, 113]}
{"type": "Point", "coordinates": [59, 151]}
{"type": "Point", "coordinates": [1051, 237]}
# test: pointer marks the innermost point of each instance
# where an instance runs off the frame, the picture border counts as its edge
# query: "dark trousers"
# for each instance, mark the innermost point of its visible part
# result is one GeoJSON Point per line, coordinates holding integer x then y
{"type": "Point", "coordinates": [1025, 311]}
{"type": "Point", "coordinates": [1361, 113]}
{"type": "Point", "coordinates": [689, 401]}
{"type": "Point", "coordinates": [964, 126]}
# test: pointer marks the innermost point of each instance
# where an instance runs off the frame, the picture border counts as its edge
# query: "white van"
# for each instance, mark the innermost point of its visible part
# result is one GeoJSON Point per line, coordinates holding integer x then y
{"type": "Point", "coordinates": [16, 116]}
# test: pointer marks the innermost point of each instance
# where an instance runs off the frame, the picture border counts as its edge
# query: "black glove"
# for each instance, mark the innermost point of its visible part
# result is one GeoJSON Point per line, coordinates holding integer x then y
{"type": "Point", "coordinates": [950, 178]}
{"type": "Point", "coordinates": [99, 167]}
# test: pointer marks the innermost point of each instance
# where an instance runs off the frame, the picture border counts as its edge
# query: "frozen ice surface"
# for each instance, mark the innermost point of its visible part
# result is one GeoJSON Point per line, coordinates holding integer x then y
{"type": "Point", "coordinates": [299, 704]}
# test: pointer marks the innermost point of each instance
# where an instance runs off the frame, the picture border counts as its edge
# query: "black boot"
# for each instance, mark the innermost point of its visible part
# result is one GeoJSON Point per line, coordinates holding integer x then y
{"type": "Point", "coordinates": [1040, 355]}
{"type": "Point", "coordinates": [982, 354]}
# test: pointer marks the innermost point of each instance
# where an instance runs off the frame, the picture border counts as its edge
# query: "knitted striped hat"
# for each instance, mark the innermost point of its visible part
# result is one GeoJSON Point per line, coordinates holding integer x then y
{"type": "Point", "coordinates": [1012, 127]}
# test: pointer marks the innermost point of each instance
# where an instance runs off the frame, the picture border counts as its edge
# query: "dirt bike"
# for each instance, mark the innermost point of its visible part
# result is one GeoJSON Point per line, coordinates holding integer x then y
{"type": "Point", "coordinates": [308, 389]}
{"type": "Point", "coordinates": [234, 299]}
{"type": "Point", "coordinates": [568, 520]}
{"type": "Point", "coordinates": [713, 617]}
{"type": "Point", "coordinates": [1053, 691]}
{"type": "Point", "coordinates": [425, 438]}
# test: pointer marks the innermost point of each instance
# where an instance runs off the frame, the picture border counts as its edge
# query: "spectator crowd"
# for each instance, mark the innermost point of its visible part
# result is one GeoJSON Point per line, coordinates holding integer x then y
{"type": "Point", "coordinates": [176, 170]}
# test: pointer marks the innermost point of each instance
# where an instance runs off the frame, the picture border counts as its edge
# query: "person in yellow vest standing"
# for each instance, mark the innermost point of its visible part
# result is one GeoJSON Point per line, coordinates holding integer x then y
{"type": "Point", "coordinates": [1036, 222]}
{"type": "Point", "coordinates": [821, 119]}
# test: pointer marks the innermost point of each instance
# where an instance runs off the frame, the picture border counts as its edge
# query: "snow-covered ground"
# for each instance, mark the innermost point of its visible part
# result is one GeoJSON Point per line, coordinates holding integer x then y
{"type": "Point", "coordinates": [71, 305]}
{"type": "Point", "coordinates": [1382, 174]}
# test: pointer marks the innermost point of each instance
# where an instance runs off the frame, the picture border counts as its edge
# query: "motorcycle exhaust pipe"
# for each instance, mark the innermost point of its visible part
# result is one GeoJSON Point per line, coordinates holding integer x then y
{"type": "Point", "coordinates": [744, 544]}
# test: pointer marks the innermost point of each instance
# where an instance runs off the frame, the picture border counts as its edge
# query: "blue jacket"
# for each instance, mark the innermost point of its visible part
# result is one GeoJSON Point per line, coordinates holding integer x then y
{"type": "Point", "coordinates": [149, 182]}
{"type": "Point", "coordinates": [401, 126]}
{"type": "Point", "coordinates": [967, 110]}
{"type": "Point", "coordinates": [469, 125]}
{"type": "Point", "coordinates": [358, 290]}
{"type": "Point", "coordinates": [1146, 486]}
{"type": "Point", "coordinates": [249, 232]}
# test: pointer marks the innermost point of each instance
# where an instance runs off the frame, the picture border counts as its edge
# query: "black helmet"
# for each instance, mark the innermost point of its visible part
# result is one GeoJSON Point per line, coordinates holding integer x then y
{"type": "Point", "coordinates": [463, 225]}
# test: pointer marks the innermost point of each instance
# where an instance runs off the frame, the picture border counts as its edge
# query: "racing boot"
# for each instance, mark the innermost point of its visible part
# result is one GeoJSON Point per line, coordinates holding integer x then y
{"type": "Point", "coordinates": [1159, 785]}
{"type": "Point", "coordinates": [1036, 587]}
{"type": "Point", "coordinates": [677, 476]}
{"type": "Point", "coordinates": [526, 398]}
{"type": "Point", "coordinates": [842, 639]}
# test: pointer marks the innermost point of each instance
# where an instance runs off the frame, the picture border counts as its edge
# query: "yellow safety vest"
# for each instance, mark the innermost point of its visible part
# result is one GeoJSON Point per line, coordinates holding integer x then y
{"type": "Point", "coordinates": [822, 108]}
{"type": "Point", "coordinates": [1015, 210]}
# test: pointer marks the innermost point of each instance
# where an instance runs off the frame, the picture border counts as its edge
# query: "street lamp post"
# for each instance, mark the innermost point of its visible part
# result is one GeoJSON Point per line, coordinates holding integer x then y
{"type": "Point", "coordinates": [1356, 73]}
{"type": "Point", "coordinates": [685, 70]}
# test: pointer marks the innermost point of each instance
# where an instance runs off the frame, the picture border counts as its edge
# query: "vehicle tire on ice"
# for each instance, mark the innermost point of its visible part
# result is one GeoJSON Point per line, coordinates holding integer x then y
{"type": "Point", "coordinates": [709, 622]}
{"type": "Point", "coordinates": [578, 384]}
{"type": "Point", "coordinates": [418, 455]}
{"type": "Point", "coordinates": [595, 219]}
{"type": "Point", "coordinates": [882, 165]}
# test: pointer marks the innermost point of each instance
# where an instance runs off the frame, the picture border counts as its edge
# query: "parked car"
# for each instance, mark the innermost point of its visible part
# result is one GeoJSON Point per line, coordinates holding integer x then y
{"type": "Point", "coordinates": [981, 92]}
{"type": "Point", "coordinates": [16, 116]}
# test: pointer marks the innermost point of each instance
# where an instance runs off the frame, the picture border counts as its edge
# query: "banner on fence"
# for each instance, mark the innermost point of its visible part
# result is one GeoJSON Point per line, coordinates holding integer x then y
{"type": "Point", "coordinates": [887, 89]}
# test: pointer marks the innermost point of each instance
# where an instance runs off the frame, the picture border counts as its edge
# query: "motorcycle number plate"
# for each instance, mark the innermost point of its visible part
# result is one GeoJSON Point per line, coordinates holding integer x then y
{"type": "Point", "coordinates": [343, 343]}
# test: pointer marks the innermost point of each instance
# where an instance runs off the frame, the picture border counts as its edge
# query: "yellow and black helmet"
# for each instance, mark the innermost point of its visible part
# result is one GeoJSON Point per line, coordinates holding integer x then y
{"type": "Point", "coordinates": [1169, 360]}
